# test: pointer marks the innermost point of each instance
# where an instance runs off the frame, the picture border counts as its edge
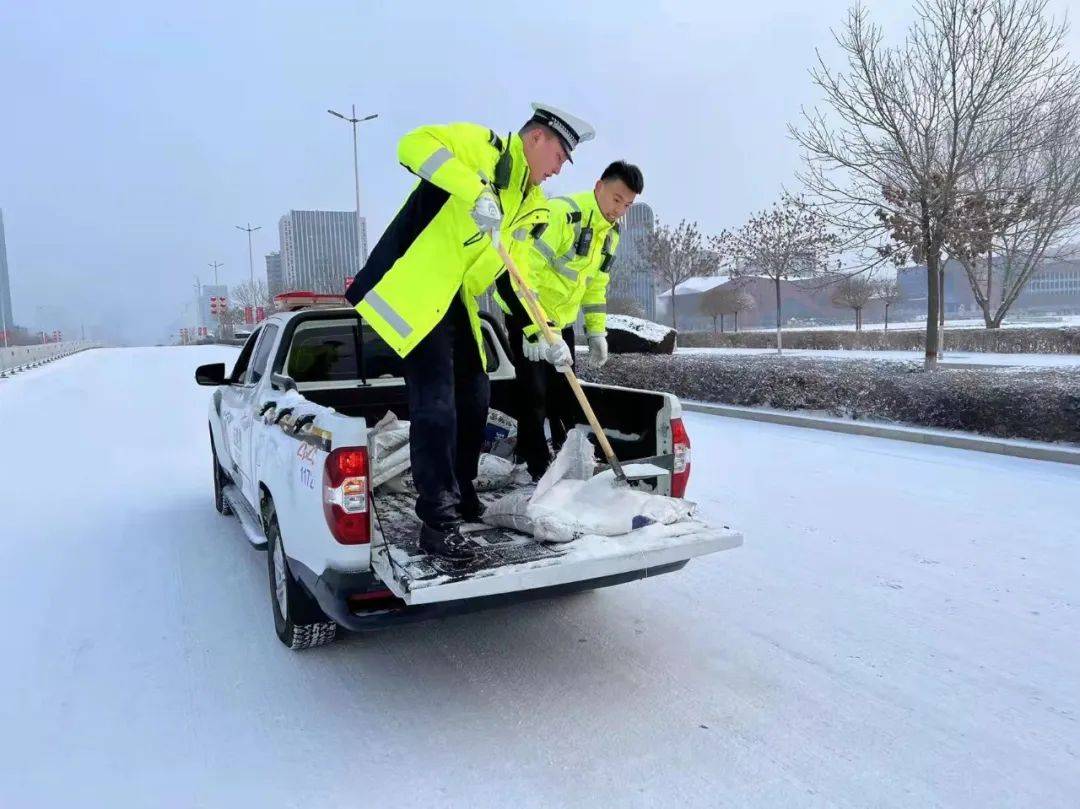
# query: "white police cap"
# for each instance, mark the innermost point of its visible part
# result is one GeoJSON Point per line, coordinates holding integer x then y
{"type": "Point", "coordinates": [570, 129]}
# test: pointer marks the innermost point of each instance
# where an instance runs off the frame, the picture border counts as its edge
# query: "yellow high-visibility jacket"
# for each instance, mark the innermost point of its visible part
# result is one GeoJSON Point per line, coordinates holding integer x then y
{"type": "Point", "coordinates": [432, 250]}
{"type": "Point", "coordinates": [564, 280]}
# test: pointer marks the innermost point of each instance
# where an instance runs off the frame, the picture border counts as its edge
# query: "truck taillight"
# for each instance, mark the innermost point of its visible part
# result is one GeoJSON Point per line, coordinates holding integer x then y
{"type": "Point", "coordinates": [345, 495]}
{"type": "Point", "coordinates": [681, 450]}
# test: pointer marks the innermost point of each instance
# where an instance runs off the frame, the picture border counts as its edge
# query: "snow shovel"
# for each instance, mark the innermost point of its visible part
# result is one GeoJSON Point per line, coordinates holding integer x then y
{"type": "Point", "coordinates": [539, 319]}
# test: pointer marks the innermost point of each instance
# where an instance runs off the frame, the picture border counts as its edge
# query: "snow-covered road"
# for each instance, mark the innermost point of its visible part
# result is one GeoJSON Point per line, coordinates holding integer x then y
{"type": "Point", "coordinates": [900, 629]}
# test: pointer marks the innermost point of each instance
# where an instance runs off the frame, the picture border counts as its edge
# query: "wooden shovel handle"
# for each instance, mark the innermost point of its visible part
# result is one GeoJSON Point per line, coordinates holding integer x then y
{"type": "Point", "coordinates": [539, 319]}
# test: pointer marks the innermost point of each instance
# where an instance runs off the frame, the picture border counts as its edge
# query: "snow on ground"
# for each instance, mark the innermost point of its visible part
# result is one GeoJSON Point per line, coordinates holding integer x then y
{"type": "Point", "coordinates": [950, 357]}
{"type": "Point", "coordinates": [898, 630]}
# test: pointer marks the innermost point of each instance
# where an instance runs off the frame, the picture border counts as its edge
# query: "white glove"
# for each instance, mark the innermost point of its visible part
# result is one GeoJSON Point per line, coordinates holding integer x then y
{"type": "Point", "coordinates": [486, 212]}
{"type": "Point", "coordinates": [531, 349]}
{"type": "Point", "coordinates": [558, 354]}
{"type": "Point", "coordinates": [598, 349]}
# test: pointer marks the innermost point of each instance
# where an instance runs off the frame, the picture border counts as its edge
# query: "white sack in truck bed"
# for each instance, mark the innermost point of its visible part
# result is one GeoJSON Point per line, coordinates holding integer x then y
{"type": "Point", "coordinates": [570, 501]}
{"type": "Point", "coordinates": [388, 449]}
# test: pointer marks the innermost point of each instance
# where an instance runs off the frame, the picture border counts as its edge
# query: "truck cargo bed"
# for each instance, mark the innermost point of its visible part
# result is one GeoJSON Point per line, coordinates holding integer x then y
{"type": "Point", "coordinates": [512, 561]}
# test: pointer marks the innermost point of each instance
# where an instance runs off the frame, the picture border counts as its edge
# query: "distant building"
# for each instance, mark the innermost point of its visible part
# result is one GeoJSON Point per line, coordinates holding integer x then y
{"type": "Point", "coordinates": [275, 281]}
{"type": "Point", "coordinates": [1054, 288]}
{"type": "Point", "coordinates": [7, 320]}
{"type": "Point", "coordinates": [319, 249]}
{"type": "Point", "coordinates": [804, 301]}
{"type": "Point", "coordinates": [959, 299]}
{"type": "Point", "coordinates": [631, 276]}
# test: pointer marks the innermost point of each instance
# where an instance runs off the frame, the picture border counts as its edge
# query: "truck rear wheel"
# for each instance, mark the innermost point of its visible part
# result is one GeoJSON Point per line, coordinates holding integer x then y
{"type": "Point", "coordinates": [298, 621]}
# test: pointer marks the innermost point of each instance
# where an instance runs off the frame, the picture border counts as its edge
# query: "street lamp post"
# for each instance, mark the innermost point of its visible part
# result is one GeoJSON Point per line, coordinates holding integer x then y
{"type": "Point", "coordinates": [251, 259]}
{"type": "Point", "coordinates": [361, 247]}
{"type": "Point", "coordinates": [198, 301]}
{"type": "Point", "coordinates": [214, 266]}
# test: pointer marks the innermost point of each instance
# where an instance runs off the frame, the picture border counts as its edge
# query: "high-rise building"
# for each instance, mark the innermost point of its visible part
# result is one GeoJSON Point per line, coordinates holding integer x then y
{"type": "Point", "coordinates": [7, 321]}
{"type": "Point", "coordinates": [275, 282]}
{"type": "Point", "coordinates": [631, 276]}
{"type": "Point", "coordinates": [319, 249]}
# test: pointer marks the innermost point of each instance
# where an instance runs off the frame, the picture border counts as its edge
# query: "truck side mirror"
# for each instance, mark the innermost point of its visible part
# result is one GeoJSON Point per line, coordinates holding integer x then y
{"type": "Point", "coordinates": [212, 374]}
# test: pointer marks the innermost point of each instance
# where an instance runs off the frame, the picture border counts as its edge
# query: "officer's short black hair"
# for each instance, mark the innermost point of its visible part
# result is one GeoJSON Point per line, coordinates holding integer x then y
{"type": "Point", "coordinates": [531, 125]}
{"type": "Point", "coordinates": [628, 173]}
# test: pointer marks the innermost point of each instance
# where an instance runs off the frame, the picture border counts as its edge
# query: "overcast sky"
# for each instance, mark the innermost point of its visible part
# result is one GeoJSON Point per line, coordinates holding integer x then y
{"type": "Point", "coordinates": [133, 138]}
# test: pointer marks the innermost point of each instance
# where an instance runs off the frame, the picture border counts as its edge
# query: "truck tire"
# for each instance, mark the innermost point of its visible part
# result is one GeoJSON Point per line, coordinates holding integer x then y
{"type": "Point", "coordinates": [220, 479]}
{"type": "Point", "coordinates": [298, 621]}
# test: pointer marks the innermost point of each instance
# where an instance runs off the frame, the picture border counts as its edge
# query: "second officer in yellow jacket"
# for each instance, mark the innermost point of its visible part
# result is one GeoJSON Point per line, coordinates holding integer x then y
{"type": "Point", "coordinates": [569, 268]}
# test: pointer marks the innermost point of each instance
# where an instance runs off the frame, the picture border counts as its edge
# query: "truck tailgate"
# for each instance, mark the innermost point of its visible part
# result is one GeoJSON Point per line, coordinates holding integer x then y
{"type": "Point", "coordinates": [514, 562]}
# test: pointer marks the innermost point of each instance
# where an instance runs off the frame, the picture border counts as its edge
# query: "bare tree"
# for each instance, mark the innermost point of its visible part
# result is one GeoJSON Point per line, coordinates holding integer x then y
{"type": "Point", "coordinates": [253, 294]}
{"type": "Point", "coordinates": [854, 292]}
{"type": "Point", "coordinates": [890, 294]}
{"type": "Point", "coordinates": [228, 319]}
{"type": "Point", "coordinates": [907, 126]}
{"type": "Point", "coordinates": [740, 301]}
{"type": "Point", "coordinates": [1024, 207]}
{"type": "Point", "coordinates": [676, 254]}
{"type": "Point", "coordinates": [712, 305]}
{"type": "Point", "coordinates": [724, 300]}
{"type": "Point", "coordinates": [786, 242]}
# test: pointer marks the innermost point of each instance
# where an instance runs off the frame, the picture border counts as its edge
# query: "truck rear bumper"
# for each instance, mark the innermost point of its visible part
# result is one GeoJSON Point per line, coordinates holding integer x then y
{"type": "Point", "coordinates": [333, 590]}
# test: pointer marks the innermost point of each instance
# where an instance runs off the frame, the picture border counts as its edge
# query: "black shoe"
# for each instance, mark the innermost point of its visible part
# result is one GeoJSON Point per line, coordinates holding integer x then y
{"type": "Point", "coordinates": [447, 543]}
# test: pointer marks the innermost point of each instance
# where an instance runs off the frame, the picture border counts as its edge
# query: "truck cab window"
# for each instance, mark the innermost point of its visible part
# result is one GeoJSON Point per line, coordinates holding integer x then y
{"type": "Point", "coordinates": [240, 369]}
{"type": "Point", "coordinates": [262, 354]}
{"type": "Point", "coordinates": [327, 351]}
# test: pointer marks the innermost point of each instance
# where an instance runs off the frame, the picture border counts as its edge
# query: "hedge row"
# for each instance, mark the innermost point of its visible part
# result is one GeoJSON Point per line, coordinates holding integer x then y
{"type": "Point", "coordinates": [1063, 340]}
{"type": "Point", "coordinates": [1041, 405]}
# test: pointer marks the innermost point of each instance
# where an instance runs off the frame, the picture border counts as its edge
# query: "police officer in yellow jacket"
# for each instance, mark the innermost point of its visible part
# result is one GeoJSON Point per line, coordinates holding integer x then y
{"type": "Point", "coordinates": [569, 269]}
{"type": "Point", "coordinates": [418, 291]}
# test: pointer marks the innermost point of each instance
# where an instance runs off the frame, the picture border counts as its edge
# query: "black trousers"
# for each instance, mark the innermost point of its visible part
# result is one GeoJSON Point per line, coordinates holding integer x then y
{"type": "Point", "coordinates": [448, 405]}
{"type": "Point", "coordinates": [540, 392]}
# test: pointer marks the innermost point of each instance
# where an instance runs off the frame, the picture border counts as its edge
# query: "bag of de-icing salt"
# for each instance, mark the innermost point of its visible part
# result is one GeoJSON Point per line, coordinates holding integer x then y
{"type": "Point", "coordinates": [500, 434]}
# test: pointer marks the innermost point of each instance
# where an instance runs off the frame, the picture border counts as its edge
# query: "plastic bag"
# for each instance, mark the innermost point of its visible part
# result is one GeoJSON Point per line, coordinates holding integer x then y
{"type": "Point", "coordinates": [493, 473]}
{"type": "Point", "coordinates": [569, 502]}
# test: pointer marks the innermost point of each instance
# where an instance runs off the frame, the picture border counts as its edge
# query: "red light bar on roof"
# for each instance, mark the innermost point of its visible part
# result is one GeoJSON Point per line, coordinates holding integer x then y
{"type": "Point", "coordinates": [291, 301]}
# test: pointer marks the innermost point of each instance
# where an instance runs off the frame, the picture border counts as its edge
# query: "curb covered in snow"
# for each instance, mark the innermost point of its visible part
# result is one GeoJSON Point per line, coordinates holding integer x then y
{"type": "Point", "coordinates": [917, 435]}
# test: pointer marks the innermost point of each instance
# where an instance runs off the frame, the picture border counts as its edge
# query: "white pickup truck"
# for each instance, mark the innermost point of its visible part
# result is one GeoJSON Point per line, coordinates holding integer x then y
{"type": "Point", "coordinates": [288, 439]}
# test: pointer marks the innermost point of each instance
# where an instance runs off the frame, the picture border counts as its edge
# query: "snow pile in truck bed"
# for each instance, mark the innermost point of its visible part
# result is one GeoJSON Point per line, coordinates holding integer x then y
{"type": "Point", "coordinates": [645, 329]}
